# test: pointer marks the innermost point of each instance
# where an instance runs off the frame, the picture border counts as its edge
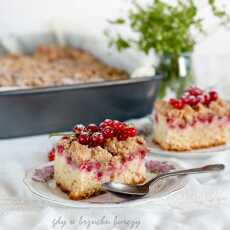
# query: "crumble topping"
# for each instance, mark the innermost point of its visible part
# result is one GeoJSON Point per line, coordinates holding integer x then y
{"type": "Point", "coordinates": [195, 102]}
{"type": "Point", "coordinates": [53, 66]}
{"type": "Point", "coordinates": [80, 153]}
{"type": "Point", "coordinates": [124, 147]}
{"type": "Point", "coordinates": [111, 140]}
{"type": "Point", "coordinates": [219, 108]}
{"type": "Point", "coordinates": [113, 149]}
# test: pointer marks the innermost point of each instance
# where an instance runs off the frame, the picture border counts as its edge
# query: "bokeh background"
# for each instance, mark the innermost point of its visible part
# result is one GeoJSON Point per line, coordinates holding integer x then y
{"type": "Point", "coordinates": [88, 18]}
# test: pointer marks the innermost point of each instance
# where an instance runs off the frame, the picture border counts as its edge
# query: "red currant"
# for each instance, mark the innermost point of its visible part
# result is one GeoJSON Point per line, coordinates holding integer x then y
{"type": "Point", "coordinates": [84, 138]}
{"type": "Point", "coordinates": [69, 160]}
{"type": "Point", "coordinates": [210, 118]}
{"type": "Point", "coordinates": [51, 154]}
{"type": "Point", "coordinates": [105, 123]}
{"type": "Point", "coordinates": [78, 128]}
{"type": "Point", "coordinates": [99, 175]}
{"type": "Point", "coordinates": [180, 104]}
{"type": "Point", "coordinates": [182, 125]}
{"type": "Point", "coordinates": [185, 100]}
{"type": "Point", "coordinates": [97, 165]}
{"type": "Point", "coordinates": [123, 136]}
{"type": "Point", "coordinates": [97, 139]}
{"type": "Point", "coordinates": [92, 128]}
{"type": "Point", "coordinates": [206, 100]}
{"type": "Point", "coordinates": [118, 126]}
{"type": "Point", "coordinates": [194, 91]}
{"type": "Point", "coordinates": [173, 102]}
{"type": "Point", "coordinates": [194, 100]}
{"type": "Point", "coordinates": [60, 149]}
{"type": "Point", "coordinates": [132, 132]}
{"type": "Point", "coordinates": [89, 166]}
{"type": "Point", "coordinates": [213, 95]}
{"type": "Point", "coordinates": [177, 104]}
{"type": "Point", "coordinates": [108, 132]}
{"type": "Point", "coordinates": [108, 121]}
{"type": "Point", "coordinates": [130, 157]}
{"type": "Point", "coordinates": [169, 120]}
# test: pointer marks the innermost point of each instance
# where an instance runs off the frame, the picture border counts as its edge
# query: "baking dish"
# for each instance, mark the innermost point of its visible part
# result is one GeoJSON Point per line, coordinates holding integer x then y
{"type": "Point", "coordinates": [25, 112]}
{"type": "Point", "coordinates": [37, 111]}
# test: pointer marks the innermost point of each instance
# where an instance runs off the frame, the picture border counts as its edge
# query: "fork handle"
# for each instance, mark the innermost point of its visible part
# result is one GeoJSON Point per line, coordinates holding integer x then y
{"type": "Point", "coordinates": [204, 169]}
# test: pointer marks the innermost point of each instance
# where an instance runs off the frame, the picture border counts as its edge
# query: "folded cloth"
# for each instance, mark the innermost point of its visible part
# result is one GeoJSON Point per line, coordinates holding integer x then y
{"type": "Point", "coordinates": [203, 204]}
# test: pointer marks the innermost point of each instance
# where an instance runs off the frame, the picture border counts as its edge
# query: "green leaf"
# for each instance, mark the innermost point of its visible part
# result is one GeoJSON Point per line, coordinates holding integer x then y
{"type": "Point", "coordinates": [164, 27]}
{"type": "Point", "coordinates": [118, 21]}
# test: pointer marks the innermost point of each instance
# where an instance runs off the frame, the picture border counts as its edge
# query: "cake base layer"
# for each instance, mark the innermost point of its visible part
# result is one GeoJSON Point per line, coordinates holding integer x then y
{"type": "Point", "coordinates": [81, 184]}
{"type": "Point", "coordinates": [77, 195]}
{"type": "Point", "coordinates": [201, 135]}
{"type": "Point", "coordinates": [169, 147]}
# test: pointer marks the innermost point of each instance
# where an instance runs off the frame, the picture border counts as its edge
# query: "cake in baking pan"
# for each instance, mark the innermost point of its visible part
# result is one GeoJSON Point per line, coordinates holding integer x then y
{"type": "Point", "coordinates": [54, 66]}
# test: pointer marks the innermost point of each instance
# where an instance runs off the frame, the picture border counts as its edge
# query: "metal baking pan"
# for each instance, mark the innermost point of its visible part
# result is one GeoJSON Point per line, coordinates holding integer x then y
{"type": "Point", "coordinates": [26, 112]}
{"type": "Point", "coordinates": [38, 111]}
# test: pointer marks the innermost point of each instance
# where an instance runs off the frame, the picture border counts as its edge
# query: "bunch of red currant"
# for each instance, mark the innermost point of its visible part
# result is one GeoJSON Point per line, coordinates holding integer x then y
{"type": "Point", "coordinates": [94, 135]}
{"type": "Point", "coordinates": [193, 96]}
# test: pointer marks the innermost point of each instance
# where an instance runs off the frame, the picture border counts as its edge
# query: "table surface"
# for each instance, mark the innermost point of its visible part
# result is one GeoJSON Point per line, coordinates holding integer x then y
{"type": "Point", "coordinates": [203, 204]}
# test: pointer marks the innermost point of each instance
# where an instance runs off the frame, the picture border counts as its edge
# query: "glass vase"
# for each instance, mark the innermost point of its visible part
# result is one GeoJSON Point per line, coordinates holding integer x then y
{"type": "Point", "coordinates": [176, 70]}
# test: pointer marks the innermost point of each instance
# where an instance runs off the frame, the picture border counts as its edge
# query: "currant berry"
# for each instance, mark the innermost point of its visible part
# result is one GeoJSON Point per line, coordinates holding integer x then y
{"type": "Point", "coordinates": [108, 132]}
{"type": "Point", "coordinates": [123, 136]}
{"type": "Point", "coordinates": [92, 128]}
{"type": "Point", "coordinates": [97, 139]}
{"type": "Point", "coordinates": [132, 132]}
{"type": "Point", "coordinates": [194, 91]}
{"type": "Point", "coordinates": [60, 149]}
{"type": "Point", "coordinates": [177, 104]}
{"type": "Point", "coordinates": [78, 128]}
{"type": "Point", "coordinates": [51, 154]}
{"type": "Point", "coordinates": [206, 99]}
{"type": "Point", "coordinates": [84, 138]}
{"type": "Point", "coordinates": [213, 95]}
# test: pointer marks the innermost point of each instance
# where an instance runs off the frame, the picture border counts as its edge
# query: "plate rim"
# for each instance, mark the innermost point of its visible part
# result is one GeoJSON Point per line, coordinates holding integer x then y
{"type": "Point", "coordinates": [183, 181]}
{"type": "Point", "coordinates": [195, 154]}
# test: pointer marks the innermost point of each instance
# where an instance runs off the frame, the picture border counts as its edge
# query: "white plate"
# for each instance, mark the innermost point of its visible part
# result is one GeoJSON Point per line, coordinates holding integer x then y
{"type": "Point", "coordinates": [49, 192]}
{"type": "Point", "coordinates": [198, 153]}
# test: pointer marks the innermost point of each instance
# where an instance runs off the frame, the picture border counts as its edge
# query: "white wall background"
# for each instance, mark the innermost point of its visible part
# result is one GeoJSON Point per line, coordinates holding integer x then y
{"type": "Point", "coordinates": [88, 17]}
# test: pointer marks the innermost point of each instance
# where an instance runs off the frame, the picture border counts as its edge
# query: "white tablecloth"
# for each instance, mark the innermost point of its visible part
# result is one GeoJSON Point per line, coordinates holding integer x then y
{"type": "Point", "coordinates": [203, 204]}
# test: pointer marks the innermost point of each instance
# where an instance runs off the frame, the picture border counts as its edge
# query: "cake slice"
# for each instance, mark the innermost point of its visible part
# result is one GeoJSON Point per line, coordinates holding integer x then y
{"type": "Point", "coordinates": [98, 154]}
{"type": "Point", "coordinates": [198, 119]}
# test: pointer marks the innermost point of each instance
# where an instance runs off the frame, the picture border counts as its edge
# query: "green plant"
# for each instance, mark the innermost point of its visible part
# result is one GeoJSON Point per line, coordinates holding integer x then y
{"type": "Point", "coordinates": [164, 27]}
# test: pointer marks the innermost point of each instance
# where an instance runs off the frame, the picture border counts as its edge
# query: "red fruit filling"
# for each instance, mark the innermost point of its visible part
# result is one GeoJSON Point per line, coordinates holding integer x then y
{"type": "Point", "coordinates": [182, 125]}
{"type": "Point", "coordinates": [108, 132]}
{"type": "Point", "coordinates": [60, 149]}
{"type": "Point", "coordinates": [99, 175]}
{"type": "Point", "coordinates": [193, 97]}
{"type": "Point", "coordinates": [97, 139]}
{"type": "Point", "coordinates": [51, 154]}
{"type": "Point", "coordinates": [195, 91]}
{"type": "Point", "coordinates": [213, 95]}
{"type": "Point", "coordinates": [92, 128]}
{"type": "Point", "coordinates": [93, 135]}
{"type": "Point", "coordinates": [177, 104]}
{"type": "Point", "coordinates": [132, 132]}
{"type": "Point", "coordinates": [84, 138]}
{"type": "Point", "coordinates": [78, 128]}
